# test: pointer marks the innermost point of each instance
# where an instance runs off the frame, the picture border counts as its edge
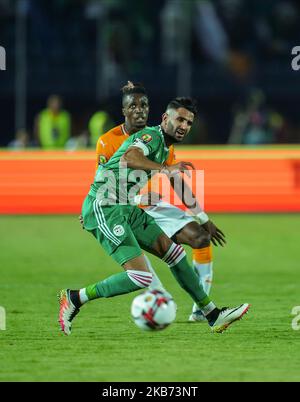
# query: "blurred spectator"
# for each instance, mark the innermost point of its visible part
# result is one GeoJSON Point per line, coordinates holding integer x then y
{"type": "Point", "coordinates": [226, 46]}
{"type": "Point", "coordinates": [256, 123]}
{"type": "Point", "coordinates": [80, 141]}
{"type": "Point", "coordinates": [277, 29]}
{"type": "Point", "coordinates": [210, 32]}
{"type": "Point", "coordinates": [198, 133]}
{"type": "Point", "coordinates": [21, 140]}
{"type": "Point", "coordinates": [53, 124]}
{"type": "Point", "coordinates": [171, 17]}
{"type": "Point", "coordinates": [99, 124]}
{"type": "Point", "coordinates": [6, 7]}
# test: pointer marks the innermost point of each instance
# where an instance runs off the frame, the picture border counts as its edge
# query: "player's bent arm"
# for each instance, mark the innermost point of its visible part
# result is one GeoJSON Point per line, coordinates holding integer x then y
{"type": "Point", "coordinates": [135, 159]}
{"type": "Point", "coordinates": [185, 193]}
{"type": "Point", "coordinates": [188, 198]}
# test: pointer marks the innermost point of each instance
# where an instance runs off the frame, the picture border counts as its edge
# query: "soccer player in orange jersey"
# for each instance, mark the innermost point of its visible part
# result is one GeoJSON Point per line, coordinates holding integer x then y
{"type": "Point", "coordinates": [180, 226]}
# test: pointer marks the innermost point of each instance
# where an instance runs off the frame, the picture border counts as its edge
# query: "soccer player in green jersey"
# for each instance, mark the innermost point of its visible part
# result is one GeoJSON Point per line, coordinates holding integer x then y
{"type": "Point", "coordinates": [124, 230]}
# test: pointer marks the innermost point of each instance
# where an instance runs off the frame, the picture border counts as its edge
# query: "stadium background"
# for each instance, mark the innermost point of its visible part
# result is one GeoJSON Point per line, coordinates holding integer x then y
{"type": "Point", "coordinates": [219, 52]}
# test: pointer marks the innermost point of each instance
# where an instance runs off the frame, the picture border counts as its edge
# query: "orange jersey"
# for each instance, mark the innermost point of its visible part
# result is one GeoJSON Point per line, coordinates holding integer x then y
{"type": "Point", "coordinates": [111, 141]}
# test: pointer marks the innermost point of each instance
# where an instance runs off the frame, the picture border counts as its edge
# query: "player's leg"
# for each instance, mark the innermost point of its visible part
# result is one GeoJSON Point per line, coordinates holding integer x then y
{"type": "Point", "coordinates": [174, 255]}
{"type": "Point", "coordinates": [192, 234]}
{"type": "Point", "coordinates": [183, 229]}
{"type": "Point", "coordinates": [118, 241]}
{"type": "Point", "coordinates": [135, 276]}
{"type": "Point", "coordinates": [156, 283]}
{"type": "Point", "coordinates": [110, 227]}
{"type": "Point", "coordinates": [118, 284]}
{"type": "Point", "coordinates": [153, 239]}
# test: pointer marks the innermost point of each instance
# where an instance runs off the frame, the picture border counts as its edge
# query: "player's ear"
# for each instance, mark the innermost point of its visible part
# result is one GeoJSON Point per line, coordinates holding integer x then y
{"type": "Point", "coordinates": [123, 111]}
{"type": "Point", "coordinates": [165, 117]}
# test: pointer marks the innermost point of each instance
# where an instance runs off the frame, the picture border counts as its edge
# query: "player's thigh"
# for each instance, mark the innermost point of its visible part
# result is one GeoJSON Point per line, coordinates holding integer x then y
{"type": "Point", "coordinates": [137, 264]}
{"type": "Point", "coordinates": [169, 218]}
{"type": "Point", "coordinates": [114, 233]}
{"type": "Point", "coordinates": [193, 235]}
{"type": "Point", "coordinates": [149, 235]}
{"type": "Point", "coordinates": [128, 253]}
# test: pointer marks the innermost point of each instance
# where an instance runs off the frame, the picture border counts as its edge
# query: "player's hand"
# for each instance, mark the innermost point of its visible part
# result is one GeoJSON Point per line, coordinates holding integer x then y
{"type": "Point", "coordinates": [179, 167]}
{"type": "Point", "coordinates": [150, 198]}
{"type": "Point", "coordinates": [217, 236]}
{"type": "Point", "coordinates": [80, 217]}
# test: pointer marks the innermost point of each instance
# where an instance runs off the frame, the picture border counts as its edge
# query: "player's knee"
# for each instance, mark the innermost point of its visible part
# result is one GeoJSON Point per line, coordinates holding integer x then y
{"type": "Point", "coordinates": [201, 240]}
{"type": "Point", "coordinates": [162, 245]}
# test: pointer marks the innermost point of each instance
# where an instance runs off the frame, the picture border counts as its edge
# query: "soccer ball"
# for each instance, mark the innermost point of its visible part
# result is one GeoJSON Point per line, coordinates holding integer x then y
{"type": "Point", "coordinates": [153, 310]}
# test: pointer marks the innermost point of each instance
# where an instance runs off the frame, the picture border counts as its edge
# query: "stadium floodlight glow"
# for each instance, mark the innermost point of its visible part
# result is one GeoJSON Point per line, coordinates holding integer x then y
{"type": "Point", "coordinates": [2, 58]}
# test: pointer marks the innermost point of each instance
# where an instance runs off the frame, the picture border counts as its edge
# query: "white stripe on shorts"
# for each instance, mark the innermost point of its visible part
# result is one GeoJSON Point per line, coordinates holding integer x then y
{"type": "Point", "coordinates": [103, 227]}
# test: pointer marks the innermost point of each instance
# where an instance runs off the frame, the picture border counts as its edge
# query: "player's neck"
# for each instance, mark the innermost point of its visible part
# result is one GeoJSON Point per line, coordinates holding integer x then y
{"type": "Point", "coordinates": [130, 129]}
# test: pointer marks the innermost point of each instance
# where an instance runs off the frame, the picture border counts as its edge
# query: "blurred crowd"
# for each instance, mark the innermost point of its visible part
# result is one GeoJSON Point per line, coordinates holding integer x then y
{"type": "Point", "coordinates": [253, 123]}
{"type": "Point", "coordinates": [53, 129]}
{"type": "Point", "coordinates": [85, 49]}
{"type": "Point", "coordinates": [223, 31]}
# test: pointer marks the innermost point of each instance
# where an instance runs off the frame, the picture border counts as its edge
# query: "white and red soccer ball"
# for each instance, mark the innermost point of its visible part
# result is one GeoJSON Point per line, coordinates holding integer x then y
{"type": "Point", "coordinates": [153, 310]}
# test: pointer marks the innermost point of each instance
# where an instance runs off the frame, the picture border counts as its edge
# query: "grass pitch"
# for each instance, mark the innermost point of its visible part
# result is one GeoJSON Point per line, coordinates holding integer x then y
{"type": "Point", "coordinates": [40, 255]}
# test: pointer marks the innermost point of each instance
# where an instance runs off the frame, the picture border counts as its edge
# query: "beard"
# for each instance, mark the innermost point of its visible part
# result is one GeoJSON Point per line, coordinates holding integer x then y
{"type": "Point", "coordinates": [171, 134]}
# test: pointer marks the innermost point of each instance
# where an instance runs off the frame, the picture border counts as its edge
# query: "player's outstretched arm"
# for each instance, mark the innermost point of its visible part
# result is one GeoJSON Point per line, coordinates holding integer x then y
{"type": "Point", "coordinates": [190, 201]}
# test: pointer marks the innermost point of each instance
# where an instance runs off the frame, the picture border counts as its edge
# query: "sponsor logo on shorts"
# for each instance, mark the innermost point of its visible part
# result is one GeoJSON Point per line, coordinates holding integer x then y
{"type": "Point", "coordinates": [118, 230]}
{"type": "Point", "coordinates": [146, 138]}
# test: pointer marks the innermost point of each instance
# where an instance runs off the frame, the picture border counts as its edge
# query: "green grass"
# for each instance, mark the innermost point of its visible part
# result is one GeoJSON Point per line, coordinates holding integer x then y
{"type": "Point", "coordinates": [40, 255]}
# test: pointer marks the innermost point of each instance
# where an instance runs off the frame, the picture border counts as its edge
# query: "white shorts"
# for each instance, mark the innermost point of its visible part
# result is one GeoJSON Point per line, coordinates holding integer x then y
{"type": "Point", "coordinates": [169, 218]}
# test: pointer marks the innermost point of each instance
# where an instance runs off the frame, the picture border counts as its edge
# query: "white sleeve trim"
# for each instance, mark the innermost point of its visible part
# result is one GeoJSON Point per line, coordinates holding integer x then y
{"type": "Point", "coordinates": [203, 218]}
{"type": "Point", "coordinates": [139, 144]}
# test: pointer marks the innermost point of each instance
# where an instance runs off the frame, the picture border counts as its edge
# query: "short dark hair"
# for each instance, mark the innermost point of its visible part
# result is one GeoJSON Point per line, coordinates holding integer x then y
{"type": "Point", "coordinates": [133, 88]}
{"type": "Point", "coordinates": [186, 103]}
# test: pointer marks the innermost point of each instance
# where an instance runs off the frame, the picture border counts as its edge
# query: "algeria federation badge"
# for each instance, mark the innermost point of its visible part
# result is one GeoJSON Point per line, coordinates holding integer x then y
{"type": "Point", "coordinates": [146, 138]}
{"type": "Point", "coordinates": [118, 230]}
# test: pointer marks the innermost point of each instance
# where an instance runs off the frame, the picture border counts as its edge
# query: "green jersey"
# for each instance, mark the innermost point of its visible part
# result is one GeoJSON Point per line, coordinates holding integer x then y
{"type": "Point", "coordinates": [114, 182]}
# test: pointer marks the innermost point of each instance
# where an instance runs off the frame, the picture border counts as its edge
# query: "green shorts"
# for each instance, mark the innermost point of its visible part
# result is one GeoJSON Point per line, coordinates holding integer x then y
{"type": "Point", "coordinates": [122, 230]}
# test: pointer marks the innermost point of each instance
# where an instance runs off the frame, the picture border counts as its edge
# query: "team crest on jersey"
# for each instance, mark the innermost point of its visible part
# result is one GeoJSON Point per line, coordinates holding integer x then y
{"type": "Point", "coordinates": [118, 230]}
{"type": "Point", "coordinates": [102, 160]}
{"type": "Point", "coordinates": [146, 138]}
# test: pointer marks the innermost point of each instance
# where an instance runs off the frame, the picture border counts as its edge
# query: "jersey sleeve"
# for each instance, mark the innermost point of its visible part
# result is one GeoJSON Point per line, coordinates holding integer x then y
{"type": "Point", "coordinates": [147, 142]}
{"type": "Point", "coordinates": [172, 158]}
{"type": "Point", "coordinates": [103, 152]}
